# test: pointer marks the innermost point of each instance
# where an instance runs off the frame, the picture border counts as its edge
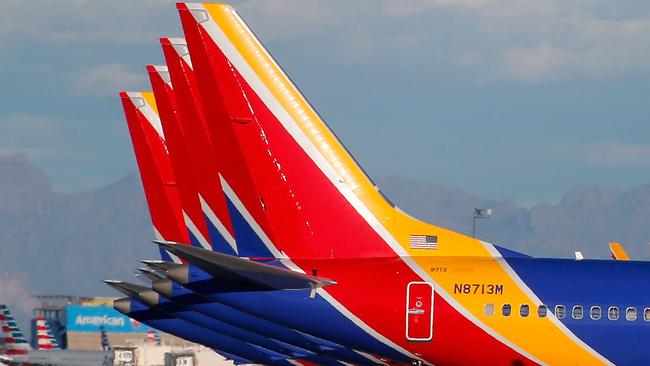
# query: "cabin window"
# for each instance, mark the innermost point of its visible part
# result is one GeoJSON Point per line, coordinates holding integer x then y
{"type": "Point", "coordinates": [646, 314]}
{"type": "Point", "coordinates": [560, 311]}
{"type": "Point", "coordinates": [541, 311]}
{"type": "Point", "coordinates": [612, 313]}
{"type": "Point", "coordinates": [524, 310]}
{"type": "Point", "coordinates": [630, 314]}
{"type": "Point", "coordinates": [506, 310]}
{"type": "Point", "coordinates": [595, 312]}
{"type": "Point", "coordinates": [577, 312]}
{"type": "Point", "coordinates": [489, 309]}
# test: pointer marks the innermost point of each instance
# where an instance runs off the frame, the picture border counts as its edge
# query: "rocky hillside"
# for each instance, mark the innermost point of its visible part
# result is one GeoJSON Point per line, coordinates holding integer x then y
{"type": "Point", "coordinates": [586, 218]}
{"type": "Point", "coordinates": [68, 243]}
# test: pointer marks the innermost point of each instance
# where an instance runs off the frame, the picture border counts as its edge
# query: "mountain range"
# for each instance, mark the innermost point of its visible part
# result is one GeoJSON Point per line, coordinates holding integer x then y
{"type": "Point", "coordinates": [67, 243]}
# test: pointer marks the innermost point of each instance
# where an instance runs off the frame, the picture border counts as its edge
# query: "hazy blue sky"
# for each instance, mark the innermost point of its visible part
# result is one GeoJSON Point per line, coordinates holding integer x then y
{"type": "Point", "coordinates": [514, 99]}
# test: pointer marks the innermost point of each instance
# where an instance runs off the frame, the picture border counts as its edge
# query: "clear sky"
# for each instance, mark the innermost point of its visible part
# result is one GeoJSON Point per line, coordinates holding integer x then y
{"type": "Point", "coordinates": [514, 99]}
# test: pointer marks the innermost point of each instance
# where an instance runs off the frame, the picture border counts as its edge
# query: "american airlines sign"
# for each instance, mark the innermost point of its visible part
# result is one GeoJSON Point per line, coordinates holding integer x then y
{"type": "Point", "coordinates": [91, 318]}
{"type": "Point", "coordinates": [99, 321]}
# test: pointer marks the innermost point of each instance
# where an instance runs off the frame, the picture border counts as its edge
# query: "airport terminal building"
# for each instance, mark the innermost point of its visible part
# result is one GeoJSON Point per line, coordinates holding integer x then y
{"type": "Point", "coordinates": [79, 323]}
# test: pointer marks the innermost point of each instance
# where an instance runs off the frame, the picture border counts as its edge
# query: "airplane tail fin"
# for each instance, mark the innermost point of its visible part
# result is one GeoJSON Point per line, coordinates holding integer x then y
{"type": "Point", "coordinates": [187, 176]}
{"type": "Point", "coordinates": [222, 212]}
{"type": "Point", "coordinates": [16, 344]}
{"type": "Point", "coordinates": [201, 149]}
{"type": "Point", "coordinates": [156, 173]}
{"type": "Point", "coordinates": [44, 336]}
{"type": "Point", "coordinates": [288, 180]}
{"type": "Point", "coordinates": [200, 156]}
{"type": "Point", "coordinates": [617, 252]}
{"type": "Point", "coordinates": [53, 340]}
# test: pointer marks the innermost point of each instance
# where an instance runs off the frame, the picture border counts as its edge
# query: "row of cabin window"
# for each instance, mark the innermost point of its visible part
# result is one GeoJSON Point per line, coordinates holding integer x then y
{"type": "Point", "coordinates": [577, 312]}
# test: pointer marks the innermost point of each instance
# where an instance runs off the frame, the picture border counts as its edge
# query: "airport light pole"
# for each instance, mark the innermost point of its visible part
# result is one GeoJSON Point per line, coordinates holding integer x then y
{"type": "Point", "coordinates": [480, 213]}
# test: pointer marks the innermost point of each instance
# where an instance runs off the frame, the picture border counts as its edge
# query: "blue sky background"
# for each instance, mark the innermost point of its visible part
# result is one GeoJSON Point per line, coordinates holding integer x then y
{"type": "Point", "coordinates": [517, 99]}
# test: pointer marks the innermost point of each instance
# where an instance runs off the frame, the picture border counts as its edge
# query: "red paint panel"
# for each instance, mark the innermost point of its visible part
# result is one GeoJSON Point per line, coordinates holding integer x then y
{"type": "Point", "coordinates": [186, 177]}
{"type": "Point", "coordinates": [197, 140]}
{"type": "Point", "coordinates": [156, 174]}
{"type": "Point", "coordinates": [338, 230]}
{"type": "Point", "coordinates": [419, 311]}
{"type": "Point", "coordinates": [375, 291]}
{"type": "Point", "coordinates": [215, 95]}
{"type": "Point", "coordinates": [305, 212]}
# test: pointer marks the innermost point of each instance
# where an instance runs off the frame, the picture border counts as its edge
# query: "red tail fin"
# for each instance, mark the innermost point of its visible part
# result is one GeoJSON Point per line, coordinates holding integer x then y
{"type": "Point", "coordinates": [154, 165]}
{"type": "Point", "coordinates": [297, 181]}
{"type": "Point", "coordinates": [222, 102]}
{"type": "Point", "coordinates": [289, 184]}
{"type": "Point", "coordinates": [199, 144]}
{"type": "Point", "coordinates": [186, 175]}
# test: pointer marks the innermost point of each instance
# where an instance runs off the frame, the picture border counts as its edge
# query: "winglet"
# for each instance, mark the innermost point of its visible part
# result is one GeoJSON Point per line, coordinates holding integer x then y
{"type": "Point", "coordinates": [618, 253]}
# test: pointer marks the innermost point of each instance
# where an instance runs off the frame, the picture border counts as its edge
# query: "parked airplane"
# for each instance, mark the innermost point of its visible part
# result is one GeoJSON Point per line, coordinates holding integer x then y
{"type": "Point", "coordinates": [18, 352]}
{"type": "Point", "coordinates": [44, 337]}
{"type": "Point", "coordinates": [297, 235]}
{"type": "Point", "coordinates": [16, 347]}
{"type": "Point", "coordinates": [135, 105]}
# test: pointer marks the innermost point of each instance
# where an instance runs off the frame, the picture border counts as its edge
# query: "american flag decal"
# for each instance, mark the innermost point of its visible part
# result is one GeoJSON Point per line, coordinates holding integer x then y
{"type": "Point", "coordinates": [423, 242]}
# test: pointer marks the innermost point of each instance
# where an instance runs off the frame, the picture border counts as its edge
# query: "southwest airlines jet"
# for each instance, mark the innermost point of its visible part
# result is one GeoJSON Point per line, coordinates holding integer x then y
{"type": "Point", "coordinates": [277, 248]}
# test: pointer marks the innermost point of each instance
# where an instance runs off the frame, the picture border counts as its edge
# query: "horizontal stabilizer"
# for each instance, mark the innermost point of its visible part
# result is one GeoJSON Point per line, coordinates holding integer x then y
{"type": "Point", "coordinates": [150, 274]}
{"type": "Point", "coordinates": [142, 293]}
{"type": "Point", "coordinates": [160, 265]}
{"type": "Point", "coordinates": [245, 270]}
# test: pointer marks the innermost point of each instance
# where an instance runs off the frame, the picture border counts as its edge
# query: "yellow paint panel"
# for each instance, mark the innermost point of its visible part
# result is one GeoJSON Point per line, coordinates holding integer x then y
{"type": "Point", "coordinates": [149, 98]}
{"type": "Point", "coordinates": [540, 337]}
{"type": "Point", "coordinates": [618, 252]}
